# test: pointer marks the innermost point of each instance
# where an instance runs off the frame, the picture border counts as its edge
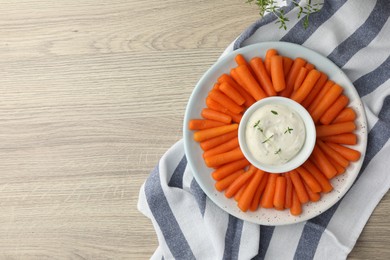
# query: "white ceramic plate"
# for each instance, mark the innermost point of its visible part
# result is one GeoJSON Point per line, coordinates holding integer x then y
{"type": "Point", "coordinates": [202, 173]}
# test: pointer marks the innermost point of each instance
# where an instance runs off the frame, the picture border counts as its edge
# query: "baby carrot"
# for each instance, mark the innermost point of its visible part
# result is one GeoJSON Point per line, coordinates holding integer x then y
{"type": "Point", "coordinates": [320, 96]}
{"type": "Point", "coordinates": [268, 55]}
{"type": "Point", "coordinates": [334, 110]}
{"type": "Point", "coordinates": [307, 85]}
{"type": "Point", "coordinates": [309, 179]}
{"type": "Point", "coordinates": [287, 63]}
{"type": "Point", "coordinates": [250, 82]}
{"type": "Point", "coordinates": [316, 89]}
{"type": "Point", "coordinates": [216, 86]}
{"type": "Point", "coordinates": [249, 100]}
{"type": "Point", "coordinates": [277, 73]}
{"type": "Point", "coordinates": [240, 60]}
{"type": "Point", "coordinates": [267, 200]}
{"type": "Point", "coordinates": [335, 129]}
{"type": "Point", "coordinates": [246, 199]}
{"type": "Point", "coordinates": [280, 192]}
{"type": "Point", "coordinates": [232, 93]}
{"type": "Point", "coordinates": [292, 75]}
{"type": "Point", "coordinates": [340, 169]}
{"type": "Point", "coordinates": [301, 76]}
{"type": "Point", "coordinates": [296, 207]}
{"type": "Point", "coordinates": [298, 186]}
{"type": "Point", "coordinates": [262, 76]}
{"type": "Point", "coordinates": [225, 147]}
{"type": "Point", "coordinates": [206, 134]}
{"type": "Point", "coordinates": [213, 142]}
{"type": "Point", "coordinates": [225, 101]}
{"type": "Point", "coordinates": [347, 138]}
{"type": "Point", "coordinates": [228, 169]}
{"type": "Point", "coordinates": [225, 182]}
{"type": "Point", "coordinates": [332, 153]}
{"type": "Point", "coordinates": [200, 124]}
{"type": "Point", "coordinates": [323, 163]}
{"type": "Point", "coordinates": [348, 153]}
{"type": "Point", "coordinates": [236, 77]}
{"type": "Point", "coordinates": [329, 98]}
{"type": "Point", "coordinates": [239, 193]}
{"type": "Point", "coordinates": [289, 190]}
{"type": "Point", "coordinates": [211, 114]}
{"type": "Point", "coordinates": [256, 199]}
{"type": "Point", "coordinates": [309, 66]}
{"type": "Point", "coordinates": [224, 158]}
{"type": "Point", "coordinates": [348, 114]}
{"type": "Point", "coordinates": [214, 105]}
{"type": "Point", "coordinates": [313, 196]}
{"type": "Point", "coordinates": [239, 182]}
{"type": "Point", "coordinates": [318, 175]}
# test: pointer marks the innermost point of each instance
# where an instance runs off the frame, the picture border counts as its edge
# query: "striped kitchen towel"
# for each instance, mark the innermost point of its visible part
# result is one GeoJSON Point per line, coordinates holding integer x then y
{"type": "Point", "coordinates": [356, 36]}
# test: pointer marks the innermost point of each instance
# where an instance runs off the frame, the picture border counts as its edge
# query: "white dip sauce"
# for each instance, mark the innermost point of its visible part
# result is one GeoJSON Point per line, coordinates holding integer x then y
{"type": "Point", "coordinates": [275, 134]}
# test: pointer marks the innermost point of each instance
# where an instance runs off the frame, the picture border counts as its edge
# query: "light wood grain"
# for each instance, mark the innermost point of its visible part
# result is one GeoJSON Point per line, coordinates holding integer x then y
{"type": "Point", "coordinates": [92, 94]}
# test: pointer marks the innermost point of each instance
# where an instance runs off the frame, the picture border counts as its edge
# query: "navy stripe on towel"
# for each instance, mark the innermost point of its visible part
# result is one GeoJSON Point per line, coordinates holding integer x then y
{"type": "Point", "coordinates": [177, 176]}
{"type": "Point", "coordinates": [233, 238]}
{"type": "Point", "coordinates": [265, 238]}
{"type": "Point", "coordinates": [199, 195]}
{"type": "Point", "coordinates": [165, 218]}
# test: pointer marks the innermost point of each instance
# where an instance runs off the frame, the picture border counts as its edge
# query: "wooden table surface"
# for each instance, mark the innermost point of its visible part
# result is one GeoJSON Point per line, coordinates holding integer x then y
{"type": "Point", "coordinates": [92, 94]}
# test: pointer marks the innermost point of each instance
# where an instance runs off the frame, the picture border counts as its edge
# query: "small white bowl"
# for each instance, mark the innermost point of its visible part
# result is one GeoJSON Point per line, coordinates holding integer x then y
{"type": "Point", "coordinates": [304, 152]}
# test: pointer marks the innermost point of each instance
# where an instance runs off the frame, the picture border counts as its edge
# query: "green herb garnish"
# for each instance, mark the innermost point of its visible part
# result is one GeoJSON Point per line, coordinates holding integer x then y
{"type": "Point", "coordinates": [257, 123]}
{"type": "Point", "coordinates": [271, 6]}
{"type": "Point", "coordinates": [288, 130]}
{"type": "Point", "coordinates": [266, 140]}
{"type": "Point", "coordinates": [278, 151]}
{"type": "Point", "coordinates": [274, 112]}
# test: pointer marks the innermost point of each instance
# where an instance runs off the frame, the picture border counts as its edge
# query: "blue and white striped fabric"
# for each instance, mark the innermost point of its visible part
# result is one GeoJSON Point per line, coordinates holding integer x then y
{"type": "Point", "coordinates": [356, 36]}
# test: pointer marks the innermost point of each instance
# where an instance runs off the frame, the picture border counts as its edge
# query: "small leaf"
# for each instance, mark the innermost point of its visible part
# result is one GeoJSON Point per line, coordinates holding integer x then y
{"type": "Point", "coordinates": [274, 112]}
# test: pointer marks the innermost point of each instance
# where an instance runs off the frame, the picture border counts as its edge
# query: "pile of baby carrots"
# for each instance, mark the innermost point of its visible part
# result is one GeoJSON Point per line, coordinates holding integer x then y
{"type": "Point", "coordinates": [255, 79]}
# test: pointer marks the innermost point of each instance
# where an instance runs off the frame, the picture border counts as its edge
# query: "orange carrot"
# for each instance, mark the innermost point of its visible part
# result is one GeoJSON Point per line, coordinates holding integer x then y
{"type": "Point", "coordinates": [216, 86]}
{"type": "Point", "coordinates": [280, 192]}
{"type": "Point", "coordinates": [287, 63]}
{"type": "Point", "coordinates": [240, 60]}
{"type": "Point", "coordinates": [307, 85]}
{"type": "Point", "coordinates": [313, 196]}
{"type": "Point", "coordinates": [267, 200]}
{"type": "Point", "coordinates": [316, 89]}
{"type": "Point", "coordinates": [224, 158]}
{"type": "Point", "coordinates": [239, 182]}
{"type": "Point", "coordinates": [228, 169]}
{"type": "Point", "coordinates": [206, 134]}
{"type": "Point", "coordinates": [214, 105]}
{"type": "Point", "coordinates": [299, 187]}
{"type": "Point", "coordinates": [291, 77]}
{"type": "Point", "coordinates": [332, 153]}
{"type": "Point", "coordinates": [238, 194]}
{"type": "Point", "coordinates": [329, 98]}
{"type": "Point", "coordinates": [236, 77]}
{"type": "Point", "coordinates": [300, 78]}
{"type": "Point", "coordinates": [348, 153]}
{"type": "Point", "coordinates": [335, 129]}
{"type": "Point", "coordinates": [296, 207]}
{"type": "Point", "coordinates": [225, 101]}
{"type": "Point", "coordinates": [309, 66]}
{"type": "Point", "coordinates": [309, 179]}
{"type": "Point", "coordinates": [267, 60]}
{"type": "Point", "coordinates": [246, 199]}
{"type": "Point", "coordinates": [225, 147]}
{"type": "Point", "coordinates": [225, 182]}
{"type": "Point", "coordinates": [323, 163]}
{"type": "Point", "coordinates": [340, 169]}
{"type": "Point", "coordinates": [347, 138]}
{"type": "Point", "coordinates": [326, 186]}
{"type": "Point", "coordinates": [213, 142]}
{"type": "Point", "coordinates": [211, 114]}
{"type": "Point", "coordinates": [262, 76]}
{"type": "Point", "coordinates": [256, 199]}
{"type": "Point", "coordinates": [250, 82]}
{"type": "Point", "coordinates": [232, 93]}
{"type": "Point", "coordinates": [289, 191]}
{"type": "Point", "coordinates": [334, 110]}
{"type": "Point", "coordinates": [249, 100]}
{"type": "Point", "coordinates": [320, 96]}
{"type": "Point", "coordinates": [348, 114]}
{"type": "Point", "coordinates": [277, 73]}
{"type": "Point", "coordinates": [200, 124]}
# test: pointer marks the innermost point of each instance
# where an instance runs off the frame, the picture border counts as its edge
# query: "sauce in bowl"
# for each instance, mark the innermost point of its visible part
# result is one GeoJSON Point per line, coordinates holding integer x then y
{"type": "Point", "coordinates": [275, 134]}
